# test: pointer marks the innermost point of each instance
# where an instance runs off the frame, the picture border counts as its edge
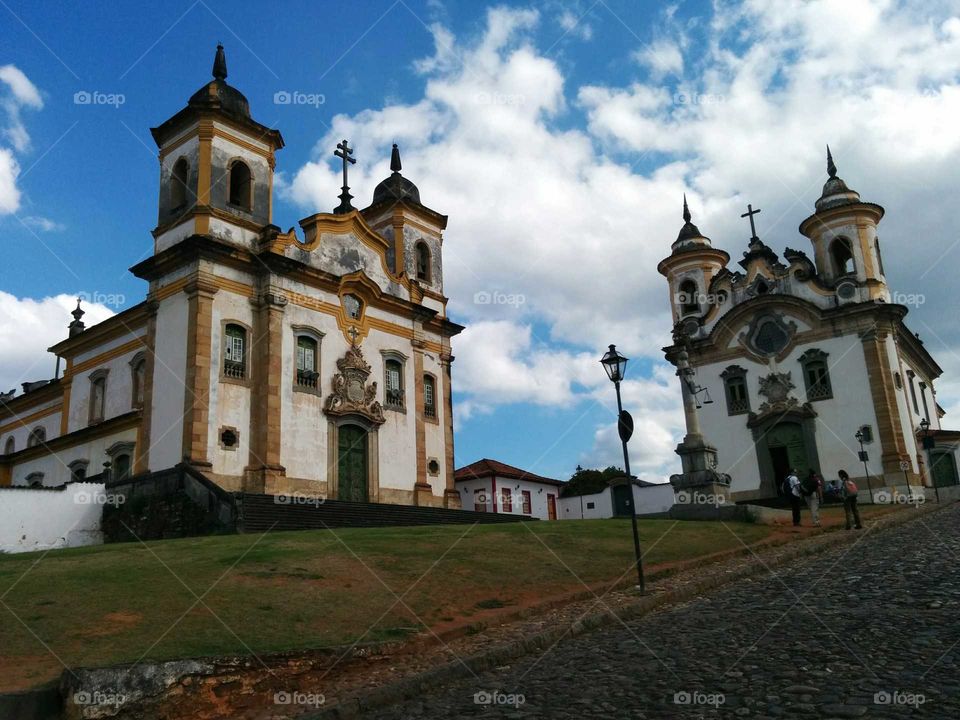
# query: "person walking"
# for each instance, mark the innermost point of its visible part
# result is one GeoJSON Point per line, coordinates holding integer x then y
{"type": "Point", "coordinates": [792, 484]}
{"type": "Point", "coordinates": [812, 490]}
{"type": "Point", "coordinates": [849, 492]}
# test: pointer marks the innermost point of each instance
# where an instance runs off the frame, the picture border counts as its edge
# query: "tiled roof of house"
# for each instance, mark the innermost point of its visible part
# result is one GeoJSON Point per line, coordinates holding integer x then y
{"type": "Point", "coordinates": [490, 468]}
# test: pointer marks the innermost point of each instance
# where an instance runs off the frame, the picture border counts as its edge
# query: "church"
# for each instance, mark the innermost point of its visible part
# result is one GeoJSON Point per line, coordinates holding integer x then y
{"type": "Point", "coordinates": [802, 362]}
{"type": "Point", "coordinates": [278, 362]}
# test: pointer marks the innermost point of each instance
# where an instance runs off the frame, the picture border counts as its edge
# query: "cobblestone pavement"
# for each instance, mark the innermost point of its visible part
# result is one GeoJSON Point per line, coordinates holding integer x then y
{"type": "Point", "coordinates": [862, 630]}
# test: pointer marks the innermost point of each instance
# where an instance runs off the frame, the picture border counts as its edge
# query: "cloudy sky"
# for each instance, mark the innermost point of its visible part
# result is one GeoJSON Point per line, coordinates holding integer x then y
{"type": "Point", "coordinates": [558, 136]}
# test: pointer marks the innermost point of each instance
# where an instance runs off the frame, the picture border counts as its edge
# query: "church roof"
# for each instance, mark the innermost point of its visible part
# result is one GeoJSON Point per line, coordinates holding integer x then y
{"type": "Point", "coordinates": [495, 468]}
{"type": "Point", "coordinates": [396, 187]}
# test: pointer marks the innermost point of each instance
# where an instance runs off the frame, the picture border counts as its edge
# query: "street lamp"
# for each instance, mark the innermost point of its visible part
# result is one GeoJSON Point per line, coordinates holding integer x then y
{"type": "Point", "coordinates": [616, 366]}
{"type": "Point", "coordinates": [863, 457]}
{"type": "Point", "coordinates": [928, 443]}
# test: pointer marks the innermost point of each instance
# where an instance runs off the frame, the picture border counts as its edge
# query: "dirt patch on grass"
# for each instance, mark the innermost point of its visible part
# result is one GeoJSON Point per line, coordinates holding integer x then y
{"type": "Point", "coordinates": [111, 624]}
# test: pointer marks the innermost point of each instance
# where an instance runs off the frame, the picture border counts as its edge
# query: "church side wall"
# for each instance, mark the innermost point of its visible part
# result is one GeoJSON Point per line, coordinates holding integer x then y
{"type": "Point", "coordinates": [20, 426]}
{"type": "Point", "coordinates": [905, 417]}
{"type": "Point", "coordinates": [166, 424]}
{"type": "Point", "coordinates": [56, 466]}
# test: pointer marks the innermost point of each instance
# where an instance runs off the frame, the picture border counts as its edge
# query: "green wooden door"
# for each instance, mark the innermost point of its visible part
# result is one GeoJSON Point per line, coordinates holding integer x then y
{"type": "Point", "coordinates": [789, 436]}
{"type": "Point", "coordinates": [352, 464]}
{"type": "Point", "coordinates": [944, 469]}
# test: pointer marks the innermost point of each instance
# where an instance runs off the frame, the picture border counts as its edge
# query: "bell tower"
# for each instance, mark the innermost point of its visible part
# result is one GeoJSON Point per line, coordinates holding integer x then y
{"type": "Point", "coordinates": [843, 230]}
{"type": "Point", "coordinates": [216, 167]}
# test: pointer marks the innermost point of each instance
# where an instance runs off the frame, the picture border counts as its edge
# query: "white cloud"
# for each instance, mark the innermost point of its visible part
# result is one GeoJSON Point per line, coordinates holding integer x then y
{"type": "Point", "coordinates": [575, 26]}
{"type": "Point", "coordinates": [28, 327]}
{"type": "Point", "coordinates": [662, 57]}
{"type": "Point", "coordinates": [42, 224]}
{"type": "Point", "coordinates": [564, 218]}
{"type": "Point", "coordinates": [16, 93]}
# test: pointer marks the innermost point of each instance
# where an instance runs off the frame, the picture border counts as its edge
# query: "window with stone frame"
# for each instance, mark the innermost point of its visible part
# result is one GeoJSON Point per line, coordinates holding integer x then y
{"type": "Point", "coordinates": [422, 253]}
{"type": "Point", "coordinates": [10, 446]}
{"type": "Point", "coordinates": [138, 370]}
{"type": "Point", "coordinates": [34, 480]}
{"type": "Point", "coordinates": [842, 253]}
{"type": "Point", "coordinates": [913, 391]}
{"type": "Point", "coordinates": [816, 375]}
{"type": "Point", "coordinates": [178, 184]}
{"type": "Point", "coordinates": [393, 383]}
{"type": "Point", "coordinates": [735, 389]}
{"type": "Point", "coordinates": [308, 361]}
{"type": "Point", "coordinates": [234, 351]}
{"type": "Point", "coordinates": [98, 396]}
{"type": "Point", "coordinates": [923, 396]}
{"type": "Point", "coordinates": [37, 436]}
{"type": "Point", "coordinates": [241, 185]}
{"type": "Point", "coordinates": [78, 470]}
{"type": "Point", "coordinates": [429, 396]}
{"type": "Point", "coordinates": [688, 298]}
{"type": "Point", "coordinates": [121, 460]}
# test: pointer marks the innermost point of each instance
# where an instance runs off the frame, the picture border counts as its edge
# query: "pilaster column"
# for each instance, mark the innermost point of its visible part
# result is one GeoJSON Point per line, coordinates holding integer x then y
{"type": "Point", "coordinates": [142, 460]}
{"type": "Point", "coordinates": [451, 498]}
{"type": "Point", "coordinates": [196, 378]}
{"type": "Point", "coordinates": [263, 466]}
{"type": "Point", "coordinates": [422, 492]}
{"type": "Point", "coordinates": [883, 392]}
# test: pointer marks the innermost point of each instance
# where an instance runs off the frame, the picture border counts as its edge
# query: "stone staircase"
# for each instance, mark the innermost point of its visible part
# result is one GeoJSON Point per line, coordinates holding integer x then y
{"type": "Point", "coordinates": [262, 513]}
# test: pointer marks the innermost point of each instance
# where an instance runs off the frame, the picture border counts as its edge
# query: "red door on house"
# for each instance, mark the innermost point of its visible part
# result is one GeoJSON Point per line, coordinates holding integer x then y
{"type": "Point", "coordinates": [551, 507]}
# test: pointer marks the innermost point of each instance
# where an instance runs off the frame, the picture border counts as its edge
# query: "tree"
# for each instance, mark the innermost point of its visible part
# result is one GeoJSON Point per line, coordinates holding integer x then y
{"type": "Point", "coordinates": [588, 482]}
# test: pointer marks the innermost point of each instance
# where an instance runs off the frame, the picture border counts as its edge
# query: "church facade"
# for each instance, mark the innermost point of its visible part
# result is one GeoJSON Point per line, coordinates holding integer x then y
{"type": "Point", "coordinates": [269, 361]}
{"type": "Point", "coordinates": [789, 363]}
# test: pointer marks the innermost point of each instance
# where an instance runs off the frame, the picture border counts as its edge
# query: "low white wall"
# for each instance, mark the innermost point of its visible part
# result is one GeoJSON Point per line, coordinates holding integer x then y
{"type": "Point", "coordinates": [40, 519]}
{"type": "Point", "coordinates": [647, 499]}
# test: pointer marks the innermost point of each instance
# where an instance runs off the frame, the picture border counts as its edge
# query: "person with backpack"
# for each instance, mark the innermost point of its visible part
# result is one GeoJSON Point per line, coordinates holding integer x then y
{"type": "Point", "coordinates": [792, 487]}
{"type": "Point", "coordinates": [812, 490]}
{"type": "Point", "coordinates": [849, 492]}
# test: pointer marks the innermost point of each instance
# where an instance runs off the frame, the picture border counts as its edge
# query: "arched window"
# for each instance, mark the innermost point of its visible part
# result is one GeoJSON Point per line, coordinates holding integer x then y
{"type": "Point", "coordinates": [353, 306]}
{"type": "Point", "coordinates": [393, 381]}
{"type": "Point", "coordinates": [38, 436]}
{"type": "Point", "coordinates": [816, 375]}
{"type": "Point", "coordinates": [689, 302]}
{"type": "Point", "coordinates": [429, 396]}
{"type": "Point", "coordinates": [876, 249]}
{"type": "Point", "coordinates": [735, 386]}
{"type": "Point", "coordinates": [78, 470]}
{"type": "Point", "coordinates": [138, 371]}
{"type": "Point", "coordinates": [120, 455]}
{"type": "Point", "coordinates": [98, 396]}
{"type": "Point", "coordinates": [842, 255]}
{"type": "Point", "coordinates": [178, 184]}
{"type": "Point", "coordinates": [10, 446]}
{"type": "Point", "coordinates": [307, 360]}
{"type": "Point", "coordinates": [241, 185]}
{"type": "Point", "coordinates": [423, 261]}
{"type": "Point", "coordinates": [34, 480]}
{"type": "Point", "coordinates": [234, 351]}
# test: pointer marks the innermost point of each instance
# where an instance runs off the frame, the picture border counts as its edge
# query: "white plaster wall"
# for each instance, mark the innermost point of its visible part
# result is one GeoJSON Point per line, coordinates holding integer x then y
{"type": "Point", "coordinates": [20, 432]}
{"type": "Point", "coordinates": [653, 498]}
{"type": "Point", "coordinates": [230, 403]}
{"type": "Point", "coordinates": [576, 508]}
{"type": "Point", "coordinates": [55, 467]}
{"type": "Point", "coordinates": [538, 495]}
{"type": "Point", "coordinates": [133, 334]}
{"type": "Point", "coordinates": [43, 519]}
{"type": "Point", "coordinates": [166, 423]}
{"type": "Point", "coordinates": [435, 436]}
{"type": "Point", "coordinates": [119, 391]}
{"type": "Point", "coordinates": [838, 418]}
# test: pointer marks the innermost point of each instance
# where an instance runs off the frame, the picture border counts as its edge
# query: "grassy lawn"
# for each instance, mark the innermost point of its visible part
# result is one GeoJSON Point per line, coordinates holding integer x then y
{"type": "Point", "coordinates": [296, 590]}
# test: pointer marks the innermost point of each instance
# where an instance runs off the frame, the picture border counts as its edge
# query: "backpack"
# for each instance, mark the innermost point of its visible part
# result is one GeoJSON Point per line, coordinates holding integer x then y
{"type": "Point", "coordinates": [850, 488]}
{"type": "Point", "coordinates": [787, 490]}
{"type": "Point", "coordinates": [808, 486]}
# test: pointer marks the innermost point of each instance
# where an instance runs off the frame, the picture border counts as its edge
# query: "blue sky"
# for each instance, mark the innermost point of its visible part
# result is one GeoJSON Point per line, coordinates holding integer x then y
{"type": "Point", "coordinates": [558, 136]}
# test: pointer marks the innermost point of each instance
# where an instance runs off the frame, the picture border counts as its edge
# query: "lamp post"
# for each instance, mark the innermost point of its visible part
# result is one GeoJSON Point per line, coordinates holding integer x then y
{"type": "Point", "coordinates": [616, 366]}
{"type": "Point", "coordinates": [863, 457]}
{"type": "Point", "coordinates": [927, 444]}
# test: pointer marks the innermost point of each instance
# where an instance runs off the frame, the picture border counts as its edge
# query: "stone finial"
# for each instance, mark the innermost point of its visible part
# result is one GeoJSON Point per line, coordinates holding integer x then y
{"type": "Point", "coordinates": [220, 64]}
{"type": "Point", "coordinates": [831, 167]}
{"type": "Point", "coordinates": [76, 327]}
{"type": "Point", "coordinates": [686, 210]}
{"type": "Point", "coordinates": [395, 165]}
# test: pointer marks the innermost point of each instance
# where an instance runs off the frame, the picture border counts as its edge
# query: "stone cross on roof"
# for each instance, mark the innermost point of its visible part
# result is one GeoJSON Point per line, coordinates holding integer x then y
{"type": "Point", "coordinates": [749, 214]}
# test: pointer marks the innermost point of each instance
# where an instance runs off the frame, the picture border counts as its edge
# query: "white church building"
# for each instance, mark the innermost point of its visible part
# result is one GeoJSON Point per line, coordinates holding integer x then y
{"type": "Point", "coordinates": [314, 361]}
{"type": "Point", "coordinates": [784, 361]}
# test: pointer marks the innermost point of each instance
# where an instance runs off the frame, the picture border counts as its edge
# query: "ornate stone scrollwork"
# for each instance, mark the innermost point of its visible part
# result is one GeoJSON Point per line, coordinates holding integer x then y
{"type": "Point", "coordinates": [351, 394]}
{"type": "Point", "coordinates": [776, 388]}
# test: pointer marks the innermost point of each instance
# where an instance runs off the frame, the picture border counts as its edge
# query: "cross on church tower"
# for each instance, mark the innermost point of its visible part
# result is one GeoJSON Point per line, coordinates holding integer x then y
{"type": "Point", "coordinates": [749, 214]}
{"type": "Point", "coordinates": [354, 334]}
{"type": "Point", "coordinates": [345, 152]}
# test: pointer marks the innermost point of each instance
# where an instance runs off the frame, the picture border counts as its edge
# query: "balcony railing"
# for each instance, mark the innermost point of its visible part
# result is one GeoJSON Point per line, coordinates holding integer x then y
{"type": "Point", "coordinates": [430, 411]}
{"type": "Point", "coordinates": [233, 369]}
{"type": "Point", "coordinates": [394, 399]}
{"type": "Point", "coordinates": [738, 407]}
{"type": "Point", "coordinates": [819, 391]}
{"type": "Point", "coordinates": [307, 379]}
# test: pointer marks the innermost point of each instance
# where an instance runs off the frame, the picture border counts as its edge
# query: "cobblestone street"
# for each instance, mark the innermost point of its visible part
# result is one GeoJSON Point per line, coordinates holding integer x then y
{"type": "Point", "coordinates": [864, 630]}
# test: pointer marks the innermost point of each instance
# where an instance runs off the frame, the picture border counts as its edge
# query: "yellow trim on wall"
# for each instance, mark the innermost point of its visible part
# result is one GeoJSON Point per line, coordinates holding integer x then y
{"type": "Point", "coordinates": [30, 419]}
{"type": "Point", "coordinates": [139, 342]}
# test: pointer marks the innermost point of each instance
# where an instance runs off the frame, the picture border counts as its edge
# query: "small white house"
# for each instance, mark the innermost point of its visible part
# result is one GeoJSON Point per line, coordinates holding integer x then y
{"type": "Point", "coordinates": [614, 501]}
{"type": "Point", "coordinates": [492, 486]}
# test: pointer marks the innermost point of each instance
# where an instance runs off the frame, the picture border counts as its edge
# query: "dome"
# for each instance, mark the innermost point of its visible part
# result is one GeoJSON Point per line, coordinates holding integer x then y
{"type": "Point", "coordinates": [835, 191]}
{"type": "Point", "coordinates": [396, 187]}
{"type": "Point", "coordinates": [218, 94]}
{"type": "Point", "coordinates": [690, 234]}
